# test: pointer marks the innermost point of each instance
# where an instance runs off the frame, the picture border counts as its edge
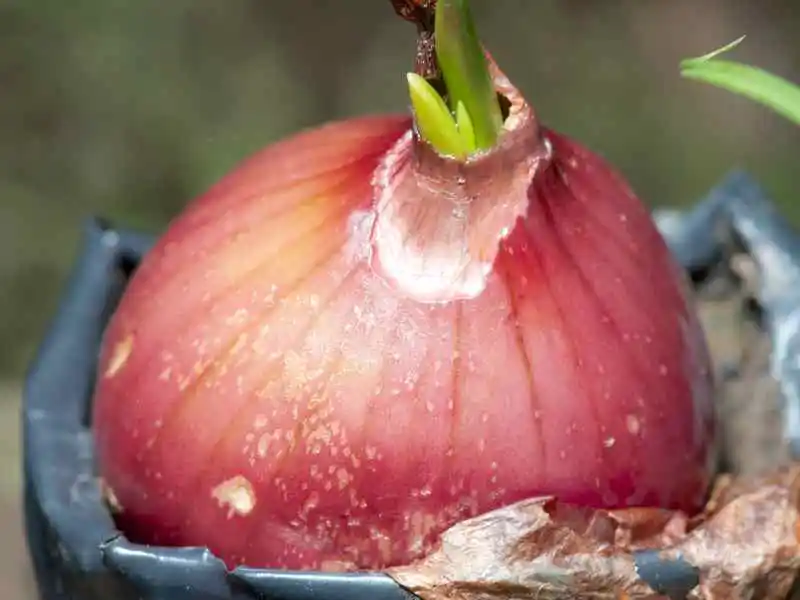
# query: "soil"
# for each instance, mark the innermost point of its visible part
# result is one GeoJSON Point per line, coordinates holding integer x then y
{"type": "Point", "coordinates": [748, 396]}
{"type": "Point", "coordinates": [15, 576]}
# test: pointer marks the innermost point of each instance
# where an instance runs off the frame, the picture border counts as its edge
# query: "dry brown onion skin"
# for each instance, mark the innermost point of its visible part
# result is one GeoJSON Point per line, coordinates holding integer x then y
{"type": "Point", "coordinates": [745, 546]}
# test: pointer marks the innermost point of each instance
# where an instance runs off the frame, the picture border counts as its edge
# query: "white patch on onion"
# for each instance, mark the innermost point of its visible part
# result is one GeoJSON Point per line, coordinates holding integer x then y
{"type": "Point", "coordinates": [633, 424]}
{"type": "Point", "coordinates": [237, 495]}
{"type": "Point", "coordinates": [441, 268]}
{"type": "Point", "coordinates": [120, 355]}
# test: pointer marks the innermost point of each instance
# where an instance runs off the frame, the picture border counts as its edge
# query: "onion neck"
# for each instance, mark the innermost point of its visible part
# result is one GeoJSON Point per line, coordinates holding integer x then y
{"type": "Point", "coordinates": [450, 191]}
{"type": "Point", "coordinates": [439, 220]}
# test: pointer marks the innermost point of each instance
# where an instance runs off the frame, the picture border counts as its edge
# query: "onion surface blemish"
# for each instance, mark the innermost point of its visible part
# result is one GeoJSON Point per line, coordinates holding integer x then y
{"type": "Point", "coordinates": [236, 495]}
{"type": "Point", "coordinates": [120, 355]}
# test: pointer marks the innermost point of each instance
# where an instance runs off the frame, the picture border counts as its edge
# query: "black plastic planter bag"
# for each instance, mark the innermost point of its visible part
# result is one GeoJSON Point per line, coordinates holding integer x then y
{"type": "Point", "coordinates": [77, 552]}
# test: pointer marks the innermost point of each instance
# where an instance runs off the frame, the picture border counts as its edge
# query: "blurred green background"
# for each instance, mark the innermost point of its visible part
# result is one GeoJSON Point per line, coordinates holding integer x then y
{"type": "Point", "coordinates": [130, 108]}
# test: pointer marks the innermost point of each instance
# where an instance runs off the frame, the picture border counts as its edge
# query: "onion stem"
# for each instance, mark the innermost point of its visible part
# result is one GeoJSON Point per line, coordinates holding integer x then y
{"type": "Point", "coordinates": [472, 109]}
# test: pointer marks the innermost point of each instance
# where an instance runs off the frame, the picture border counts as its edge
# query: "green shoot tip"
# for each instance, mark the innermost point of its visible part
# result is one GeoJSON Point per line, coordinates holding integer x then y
{"type": "Point", "coordinates": [689, 62]}
{"type": "Point", "coordinates": [434, 121]}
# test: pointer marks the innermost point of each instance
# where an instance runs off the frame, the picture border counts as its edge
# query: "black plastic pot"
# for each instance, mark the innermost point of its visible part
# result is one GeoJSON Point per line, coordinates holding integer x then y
{"type": "Point", "coordinates": [77, 552]}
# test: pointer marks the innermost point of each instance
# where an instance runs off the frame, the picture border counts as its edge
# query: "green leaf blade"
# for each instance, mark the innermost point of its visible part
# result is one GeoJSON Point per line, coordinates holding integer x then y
{"type": "Point", "coordinates": [434, 121]}
{"type": "Point", "coordinates": [772, 91]}
{"type": "Point", "coordinates": [464, 69]}
{"type": "Point", "coordinates": [756, 84]}
{"type": "Point", "coordinates": [465, 127]}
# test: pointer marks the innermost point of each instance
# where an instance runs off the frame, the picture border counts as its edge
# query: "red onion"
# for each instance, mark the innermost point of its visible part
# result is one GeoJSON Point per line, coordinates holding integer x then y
{"type": "Point", "coordinates": [353, 342]}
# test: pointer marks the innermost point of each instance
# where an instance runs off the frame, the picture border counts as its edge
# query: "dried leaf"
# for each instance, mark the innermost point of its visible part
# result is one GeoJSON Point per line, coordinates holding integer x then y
{"type": "Point", "coordinates": [745, 545]}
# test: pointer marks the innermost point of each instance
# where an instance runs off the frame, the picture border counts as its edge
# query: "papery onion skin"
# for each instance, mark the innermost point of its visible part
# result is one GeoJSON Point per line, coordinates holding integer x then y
{"type": "Point", "coordinates": [266, 391]}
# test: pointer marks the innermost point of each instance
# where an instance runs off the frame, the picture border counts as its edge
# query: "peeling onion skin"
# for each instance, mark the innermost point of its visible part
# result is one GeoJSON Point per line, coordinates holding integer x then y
{"type": "Point", "coordinates": [267, 391]}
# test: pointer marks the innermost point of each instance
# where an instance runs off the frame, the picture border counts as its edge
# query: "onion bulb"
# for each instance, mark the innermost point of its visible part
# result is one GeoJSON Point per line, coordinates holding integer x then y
{"type": "Point", "coordinates": [374, 329]}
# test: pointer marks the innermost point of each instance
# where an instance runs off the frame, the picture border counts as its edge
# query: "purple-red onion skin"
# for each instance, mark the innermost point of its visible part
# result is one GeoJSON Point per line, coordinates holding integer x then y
{"type": "Point", "coordinates": [266, 392]}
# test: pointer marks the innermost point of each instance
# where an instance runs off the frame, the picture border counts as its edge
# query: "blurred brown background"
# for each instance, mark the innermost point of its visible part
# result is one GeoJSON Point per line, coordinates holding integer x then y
{"type": "Point", "coordinates": [128, 109]}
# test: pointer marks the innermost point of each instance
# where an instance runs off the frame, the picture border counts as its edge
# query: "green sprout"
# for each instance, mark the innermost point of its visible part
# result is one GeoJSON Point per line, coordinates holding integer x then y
{"type": "Point", "coordinates": [471, 119]}
{"type": "Point", "coordinates": [776, 93]}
